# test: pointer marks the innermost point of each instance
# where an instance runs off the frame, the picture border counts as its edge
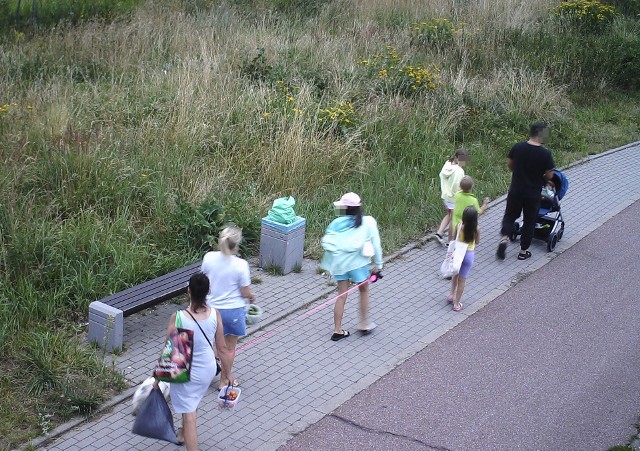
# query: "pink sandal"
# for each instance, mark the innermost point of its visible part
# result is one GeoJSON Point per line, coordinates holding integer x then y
{"type": "Point", "coordinates": [450, 299]}
{"type": "Point", "coordinates": [457, 308]}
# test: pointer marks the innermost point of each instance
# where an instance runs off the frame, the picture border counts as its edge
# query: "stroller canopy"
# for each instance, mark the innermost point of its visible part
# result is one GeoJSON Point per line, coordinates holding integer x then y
{"type": "Point", "coordinates": [561, 182]}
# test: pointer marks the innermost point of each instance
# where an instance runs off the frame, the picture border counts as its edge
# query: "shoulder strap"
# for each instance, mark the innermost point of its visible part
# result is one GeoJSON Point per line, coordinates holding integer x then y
{"type": "Point", "coordinates": [198, 324]}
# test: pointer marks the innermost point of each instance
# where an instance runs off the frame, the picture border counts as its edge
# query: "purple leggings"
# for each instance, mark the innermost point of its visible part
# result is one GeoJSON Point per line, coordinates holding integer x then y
{"type": "Point", "coordinates": [467, 264]}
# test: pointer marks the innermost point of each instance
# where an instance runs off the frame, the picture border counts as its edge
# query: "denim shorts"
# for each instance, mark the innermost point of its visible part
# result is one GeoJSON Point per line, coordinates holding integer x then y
{"type": "Point", "coordinates": [233, 321]}
{"type": "Point", "coordinates": [355, 275]}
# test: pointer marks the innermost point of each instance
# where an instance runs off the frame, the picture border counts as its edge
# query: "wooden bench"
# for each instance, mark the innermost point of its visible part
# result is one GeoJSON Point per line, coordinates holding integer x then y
{"type": "Point", "coordinates": [106, 316]}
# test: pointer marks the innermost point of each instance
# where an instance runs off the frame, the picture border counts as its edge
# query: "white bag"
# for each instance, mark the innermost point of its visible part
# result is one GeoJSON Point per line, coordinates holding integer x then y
{"type": "Point", "coordinates": [142, 393]}
{"type": "Point", "coordinates": [455, 255]}
{"type": "Point", "coordinates": [367, 249]}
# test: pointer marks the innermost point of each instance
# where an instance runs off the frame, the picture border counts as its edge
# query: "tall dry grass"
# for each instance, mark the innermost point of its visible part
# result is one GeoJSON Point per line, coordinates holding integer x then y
{"type": "Point", "coordinates": [164, 90]}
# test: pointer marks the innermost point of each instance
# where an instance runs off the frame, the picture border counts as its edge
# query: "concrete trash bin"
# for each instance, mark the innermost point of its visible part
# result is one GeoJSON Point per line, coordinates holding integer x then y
{"type": "Point", "coordinates": [282, 245]}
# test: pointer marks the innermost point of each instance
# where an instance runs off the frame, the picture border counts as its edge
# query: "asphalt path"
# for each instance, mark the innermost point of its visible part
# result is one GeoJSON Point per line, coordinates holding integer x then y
{"type": "Point", "coordinates": [552, 364]}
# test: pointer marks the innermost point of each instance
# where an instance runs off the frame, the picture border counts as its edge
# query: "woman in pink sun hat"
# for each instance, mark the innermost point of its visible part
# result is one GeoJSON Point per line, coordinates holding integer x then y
{"type": "Point", "coordinates": [351, 240]}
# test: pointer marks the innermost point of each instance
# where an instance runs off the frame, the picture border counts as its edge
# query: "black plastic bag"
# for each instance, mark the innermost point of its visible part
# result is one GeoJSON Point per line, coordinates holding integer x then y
{"type": "Point", "coordinates": [154, 419]}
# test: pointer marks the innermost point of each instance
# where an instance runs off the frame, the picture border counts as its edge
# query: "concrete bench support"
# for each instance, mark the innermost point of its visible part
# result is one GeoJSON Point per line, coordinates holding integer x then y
{"type": "Point", "coordinates": [106, 326]}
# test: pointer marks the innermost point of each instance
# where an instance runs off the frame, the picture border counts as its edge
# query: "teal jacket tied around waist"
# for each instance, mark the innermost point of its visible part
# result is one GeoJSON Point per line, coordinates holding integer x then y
{"type": "Point", "coordinates": [343, 245]}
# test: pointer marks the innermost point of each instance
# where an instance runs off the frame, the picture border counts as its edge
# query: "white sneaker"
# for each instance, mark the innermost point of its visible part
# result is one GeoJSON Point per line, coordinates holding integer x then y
{"type": "Point", "coordinates": [440, 239]}
{"type": "Point", "coordinates": [367, 330]}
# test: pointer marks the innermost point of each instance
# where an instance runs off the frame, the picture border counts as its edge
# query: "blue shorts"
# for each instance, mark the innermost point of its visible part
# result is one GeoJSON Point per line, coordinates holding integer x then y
{"type": "Point", "coordinates": [233, 321]}
{"type": "Point", "coordinates": [467, 264]}
{"type": "Point", "coordinates": [355, 275]}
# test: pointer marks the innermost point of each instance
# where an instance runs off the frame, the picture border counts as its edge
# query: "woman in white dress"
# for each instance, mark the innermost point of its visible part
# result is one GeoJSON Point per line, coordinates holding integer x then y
{"type": "Point", "coordinates": [202, 320]}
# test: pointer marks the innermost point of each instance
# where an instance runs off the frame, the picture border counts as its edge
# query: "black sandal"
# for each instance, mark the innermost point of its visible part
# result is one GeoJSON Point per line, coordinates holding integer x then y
{"type": "Point", "coordinates": [524, 256]}
{"type": "Point", "coordinates": [340, 336]}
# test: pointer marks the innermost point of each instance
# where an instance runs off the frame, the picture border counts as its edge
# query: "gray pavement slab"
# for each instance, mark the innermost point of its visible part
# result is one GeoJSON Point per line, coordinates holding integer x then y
{"type": "Point", "coordinates": [300, 366]}
{"type": "Point", "coordinates": [552, 364]}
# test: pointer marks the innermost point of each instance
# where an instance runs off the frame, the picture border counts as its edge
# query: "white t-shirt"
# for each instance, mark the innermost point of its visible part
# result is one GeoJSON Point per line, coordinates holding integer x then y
{"type": "Point", "coordinates": [227, 274]}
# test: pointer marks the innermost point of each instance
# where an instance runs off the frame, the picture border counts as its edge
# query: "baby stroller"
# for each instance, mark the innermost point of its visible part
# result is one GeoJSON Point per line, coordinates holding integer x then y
{"type": "Point", "coordinates": [549, 223]}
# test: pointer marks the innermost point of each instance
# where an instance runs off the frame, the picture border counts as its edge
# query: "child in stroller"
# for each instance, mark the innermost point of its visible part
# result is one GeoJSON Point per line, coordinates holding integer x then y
{"type": "Point", "coordinates": [549, 223]}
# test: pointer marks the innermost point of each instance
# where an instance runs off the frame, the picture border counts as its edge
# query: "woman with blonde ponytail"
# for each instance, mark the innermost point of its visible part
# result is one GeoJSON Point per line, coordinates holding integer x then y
{"type": "Point", "coordinates": [230, 290]}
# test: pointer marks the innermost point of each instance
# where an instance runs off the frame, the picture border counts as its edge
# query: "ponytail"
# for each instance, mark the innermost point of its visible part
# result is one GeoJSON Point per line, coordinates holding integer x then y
{"type": "Point", "coordinates": [229, 240]}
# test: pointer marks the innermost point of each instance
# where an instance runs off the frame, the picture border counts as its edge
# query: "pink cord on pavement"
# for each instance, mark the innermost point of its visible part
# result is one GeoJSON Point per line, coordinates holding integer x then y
{"type": "Point", "coordinates": [271, 333]}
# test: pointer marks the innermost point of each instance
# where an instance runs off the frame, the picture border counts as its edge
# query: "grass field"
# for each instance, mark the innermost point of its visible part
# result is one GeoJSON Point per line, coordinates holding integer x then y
{"type": "Point", "coordinates": [130, 134]}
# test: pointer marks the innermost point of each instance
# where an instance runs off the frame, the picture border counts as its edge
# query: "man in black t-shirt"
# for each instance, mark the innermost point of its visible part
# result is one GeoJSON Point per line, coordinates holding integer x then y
{"type": "Point", "coordinates": [531, 164]}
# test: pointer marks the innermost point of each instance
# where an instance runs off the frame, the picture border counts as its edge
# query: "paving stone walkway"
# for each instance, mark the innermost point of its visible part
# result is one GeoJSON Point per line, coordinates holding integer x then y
{"type": "Point", "coordinates": [295, 377]}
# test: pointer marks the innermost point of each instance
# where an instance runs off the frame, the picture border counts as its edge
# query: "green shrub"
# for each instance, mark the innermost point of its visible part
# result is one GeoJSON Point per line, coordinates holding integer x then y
{"type": "Point", "coordinates": [612, 57]}
{"type": "Point", "coordinates": [198, 226]}
{"type": "Point", "coordinates": [339, 117]}
{"type": "Point", "coordinates": [586, 15]}
{"type": "Point", "coordinates": [247, 217]}
{"type": "Point", "coordinates": [628, 7]}
{"type": "Point", "coordinates": [301, 8]}
{"type": "Point", "coordinates": [257, 68]}
{"type": "Point", "coordinates": [292, 8]}
{"type": "Point", "coordinates": [51, 12]}
{"type": "Point", "coordinates": [282, 99]}
{"type": "Point", "coordinates": [625, 54]}
{"type": "Point", "coordinates": [395, 75]}
{"type": "Point", "coordinates": [434, 32]}
{"type": "Point", "coordinates": [585, 61]}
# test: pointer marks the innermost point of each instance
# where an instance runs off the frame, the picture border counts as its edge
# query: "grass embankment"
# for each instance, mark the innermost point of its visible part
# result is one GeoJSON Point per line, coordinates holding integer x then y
{"type": "Point", "coordinates": [126, 144]}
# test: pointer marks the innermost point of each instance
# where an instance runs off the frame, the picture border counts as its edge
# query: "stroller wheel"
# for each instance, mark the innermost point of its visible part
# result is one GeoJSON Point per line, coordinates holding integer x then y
{"type": "Point", "coordinates": [515, 232]}
{"type": "Point", "coordinates": [552, 241]}
{"type": "Point", "coordinates": [561, 231]}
